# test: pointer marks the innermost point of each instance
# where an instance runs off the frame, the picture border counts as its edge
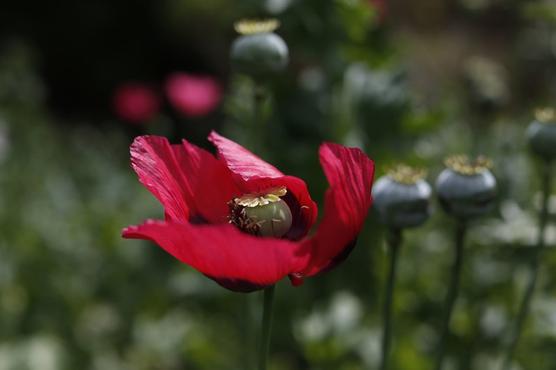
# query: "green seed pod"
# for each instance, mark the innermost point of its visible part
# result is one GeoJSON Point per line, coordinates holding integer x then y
{"type": "Point", "coordinates": [273, 219]}
{"type": "Point", "coordinates": [541, 134]}
{"type": "Point", "coordinates": [263, 214]}
{"type": "Point", "coordinates": [466, 189]}
{"type": "Point", "coordinates": [258, 51]}
{"type": "Point", "coordinates": [402, 197]}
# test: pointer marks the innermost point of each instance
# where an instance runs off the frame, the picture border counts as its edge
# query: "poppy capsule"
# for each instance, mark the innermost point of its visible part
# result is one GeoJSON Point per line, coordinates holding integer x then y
{"type": "Point", "coordinates": [262, 215]}
{"type": "Point", "coordinates": [401, 198]}
{"type": "Point", "coordinates": [258, 51]}
{"type": "Point", "coordinates": [466, 188]}
{"type": "Point", "coordinates": [541, 134]}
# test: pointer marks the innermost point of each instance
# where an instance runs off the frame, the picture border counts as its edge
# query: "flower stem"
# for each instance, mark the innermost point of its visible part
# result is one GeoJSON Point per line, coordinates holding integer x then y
{"type": "Point", "coordinates": [259, 134]}
{"type": "Point", "coordinates": [266, 327]}
{"type": "Point", "coordinates": [248, 329]}
{"type": "Point", "coordinates": [453, 291]}
{"type": "Point", "coordinates": [394, 243]}
{"type": "Point", "coordinates": [525, 304]}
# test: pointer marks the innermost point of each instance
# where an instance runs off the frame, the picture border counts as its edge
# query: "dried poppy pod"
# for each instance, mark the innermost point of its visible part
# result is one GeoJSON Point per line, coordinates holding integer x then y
{"type": "Point", "coordinates": [402, 197]}
{"type": "Point", "coordinates": [258, 51]}
{"type": "Point", "coordinates": [466, 188]}
{"type": "Point", "coordinates": [541, 134]}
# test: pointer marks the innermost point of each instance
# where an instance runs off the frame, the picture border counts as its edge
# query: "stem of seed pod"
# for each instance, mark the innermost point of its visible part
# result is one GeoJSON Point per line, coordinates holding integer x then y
{"type": "Point", "coordinates": [546, 179]}
{"type": "Point", "coordinates": [248, 329]}
{"type": "Point", "coordinates": [258, 117]}
{"type": "Point", "coordinates": [453, 291]}
{"type": "Point", "coordinates": [394, 243]}
{"type": "Point", "coordinates": [266, 327]}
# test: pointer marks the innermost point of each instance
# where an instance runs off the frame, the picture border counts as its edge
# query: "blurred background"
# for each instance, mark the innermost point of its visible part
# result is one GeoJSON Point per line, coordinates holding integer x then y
{"type": "Point", "coordinates": [409, 81]}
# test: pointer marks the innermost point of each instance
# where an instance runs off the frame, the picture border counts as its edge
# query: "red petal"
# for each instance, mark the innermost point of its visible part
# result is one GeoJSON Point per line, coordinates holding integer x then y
{"type": "Point", "coordinates": [208, 182]}
{"type": "Point", "coordinates": [350, 174]}
{"type": "Point", "coordinates": [235, 260]}
{"type": "Point", "coordinates": [153, 160]}
{"type": "Point", "coordinates": [187, 180]}
{"type": "Point", "coordinates": [241, 161]}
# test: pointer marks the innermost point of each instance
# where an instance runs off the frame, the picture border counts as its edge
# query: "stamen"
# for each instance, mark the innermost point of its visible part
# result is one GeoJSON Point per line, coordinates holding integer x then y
{"type": "Point", "coordinates": [464, 166]}
{"type": "Point", "coordinates": [406, 175]}
{"type": "Point", "coordinates": [253, 26]}
{"type": "Point", "coordinates": [255, 200]}
{"type": "Point", "coordinates": [545, 115]}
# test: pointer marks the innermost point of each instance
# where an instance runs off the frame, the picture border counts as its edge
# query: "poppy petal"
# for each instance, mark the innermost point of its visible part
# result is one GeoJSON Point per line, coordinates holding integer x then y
{"type": "Point", "coordinates": [208, 183]}
{"type": "Point", "coordinates": [189, 181]}
{"type": "Point", "coordinates": [154, 161]}
{"type": "Point", "coordinates": [235, 260]}
{"type": "Point", "coordinates": [241, 161]}
{"type": "Point", "coordinates": [350, 175]}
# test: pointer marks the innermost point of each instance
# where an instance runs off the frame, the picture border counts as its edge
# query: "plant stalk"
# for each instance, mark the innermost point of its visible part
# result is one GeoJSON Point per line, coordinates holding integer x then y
{"type": "Point", "coordinates": [524, 307]}
{"type": "Point", "coordinates": [266, 327]}
{"type": "Point", "coordinates": [394, 243]}
{"type": "Point", "coordinates": [259, 124]}
{"type": "Point", "coordinates": [249, 329]}
{"type": "Point", "coordinates": [453, 292]}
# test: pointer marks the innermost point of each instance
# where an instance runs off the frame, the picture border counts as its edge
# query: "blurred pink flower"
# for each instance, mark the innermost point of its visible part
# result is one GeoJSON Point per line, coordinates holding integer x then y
{"type": "Point", "coordinates": [193, 95]}
{"type": "Point", "coordinates": [135, 102]}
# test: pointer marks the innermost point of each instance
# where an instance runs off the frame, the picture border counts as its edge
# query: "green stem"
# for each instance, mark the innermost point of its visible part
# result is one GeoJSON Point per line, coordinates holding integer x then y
{"type": "Point", "coordinates": [475, 339]}
{"type": "Point", "coordinates": [453, 292]}
{"type": "Point", "coordinates": [259, 134]}
{"type": "Point", "coordinates": [266, 327]}
{"type": "Point", "coordinates": [248, 330]}
{"type": "Point", "coordinates": [394, 243]}
{"type": "Point", "coordinates": [534, 269]}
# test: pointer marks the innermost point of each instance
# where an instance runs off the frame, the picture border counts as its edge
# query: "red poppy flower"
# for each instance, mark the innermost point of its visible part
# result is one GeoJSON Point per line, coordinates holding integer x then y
{"type": "Point", "coordinates": [201, 195]}
{"type": "Point", "coordinates": [135, 102]}
{"type": "Point", "coordinates": [193, 95]}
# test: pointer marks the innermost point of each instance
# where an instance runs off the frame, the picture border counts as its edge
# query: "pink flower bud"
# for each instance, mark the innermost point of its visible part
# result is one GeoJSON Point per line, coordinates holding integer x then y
{"type": "Point", "coordinates": [193, 95]}
{"type": "Point", "coordinates": [135, 102]}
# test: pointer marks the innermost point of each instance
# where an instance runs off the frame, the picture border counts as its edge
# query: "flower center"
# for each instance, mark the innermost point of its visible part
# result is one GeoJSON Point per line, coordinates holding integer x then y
{"type": "Point", "coordinates": [263, 214]}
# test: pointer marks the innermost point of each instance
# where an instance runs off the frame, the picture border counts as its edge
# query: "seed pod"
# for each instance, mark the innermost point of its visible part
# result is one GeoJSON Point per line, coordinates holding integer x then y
{"type": "Point", "coordinates": [264, 214]}
{"type": "Point", "coordinates": [273, 219]}
{"type": "Point", "coordinates": [541, 134]}
{"type": "Point", "coordinates": [401, 198]}
{"type": "Point", "coordinates": [258, 51]}
{"type": "Point", "coordinates": [466, 188]}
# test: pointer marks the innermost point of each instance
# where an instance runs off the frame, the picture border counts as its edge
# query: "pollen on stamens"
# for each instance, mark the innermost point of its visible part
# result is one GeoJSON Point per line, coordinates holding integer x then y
{"type": "Point", "coordinates": [239, 218]}
{"type": "Point", "coordinates": [465, 166]}
{"type": "Point", "coordinates": [253, 26]}
{"type": "Point", "coordinates": [256, 200]}
{"type": "Point", "coordinates": [545, 115]}
{"type": "Point", "coordinates": [406, 175]}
